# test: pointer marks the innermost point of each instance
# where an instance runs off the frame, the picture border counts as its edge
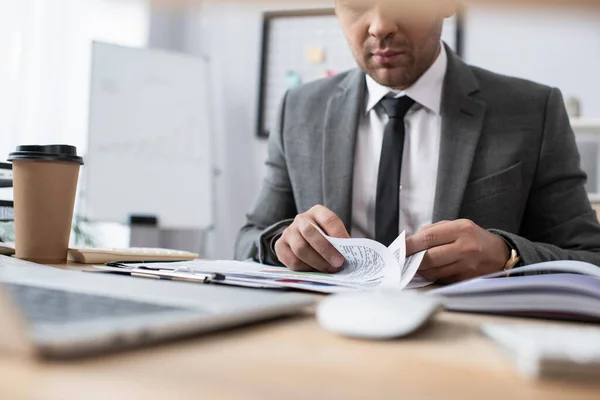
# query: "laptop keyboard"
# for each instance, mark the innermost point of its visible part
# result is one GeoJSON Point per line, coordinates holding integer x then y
{"type": "Point", "coordinates": [43, 305]}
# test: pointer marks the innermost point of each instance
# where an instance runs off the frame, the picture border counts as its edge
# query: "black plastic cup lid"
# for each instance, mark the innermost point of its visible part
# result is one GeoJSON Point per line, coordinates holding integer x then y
{"type": "Point", "coordinates": [53, 152]}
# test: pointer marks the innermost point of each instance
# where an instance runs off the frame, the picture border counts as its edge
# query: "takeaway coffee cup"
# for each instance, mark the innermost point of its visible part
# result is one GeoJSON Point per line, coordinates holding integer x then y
{"type": "Point", "coordinates": [45, 183]}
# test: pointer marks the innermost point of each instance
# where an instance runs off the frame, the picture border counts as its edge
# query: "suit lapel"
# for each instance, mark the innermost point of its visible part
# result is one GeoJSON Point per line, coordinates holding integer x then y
{"type": "Point", "coordinates": [462, 121]}
{"type": "Point", "coordinates": [339, 141]}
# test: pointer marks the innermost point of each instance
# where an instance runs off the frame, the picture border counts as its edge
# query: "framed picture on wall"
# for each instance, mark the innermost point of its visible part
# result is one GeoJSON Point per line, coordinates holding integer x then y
{"type": "Point", "coordinates": [300, 46]}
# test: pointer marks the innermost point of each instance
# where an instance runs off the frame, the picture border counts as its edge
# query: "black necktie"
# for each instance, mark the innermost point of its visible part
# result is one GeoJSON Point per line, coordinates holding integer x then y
{"type": "Point", "coordinates": [387, 208]}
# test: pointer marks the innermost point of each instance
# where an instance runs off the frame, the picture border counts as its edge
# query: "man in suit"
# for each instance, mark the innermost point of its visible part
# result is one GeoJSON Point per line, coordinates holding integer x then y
{"type": "Point", "coordinates": [481, 170]}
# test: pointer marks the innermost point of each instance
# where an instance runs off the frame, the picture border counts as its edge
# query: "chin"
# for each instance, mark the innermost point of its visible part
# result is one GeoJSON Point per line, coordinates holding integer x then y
{"type": "Point", "coordinates": [392, 78]}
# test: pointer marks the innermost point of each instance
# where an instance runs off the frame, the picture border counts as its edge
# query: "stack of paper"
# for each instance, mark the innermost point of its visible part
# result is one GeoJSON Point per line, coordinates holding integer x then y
{"type": "Point", "coordinates": [368, 264]}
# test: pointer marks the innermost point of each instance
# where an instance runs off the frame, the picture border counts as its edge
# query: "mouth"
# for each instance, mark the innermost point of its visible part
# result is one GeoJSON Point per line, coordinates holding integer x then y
{"type": "Point", "coordinates": [387, 57]}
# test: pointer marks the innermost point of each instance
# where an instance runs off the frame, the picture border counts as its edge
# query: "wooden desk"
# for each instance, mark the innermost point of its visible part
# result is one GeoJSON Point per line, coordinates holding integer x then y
{"type": "Point", "coordinates": [291, 359]}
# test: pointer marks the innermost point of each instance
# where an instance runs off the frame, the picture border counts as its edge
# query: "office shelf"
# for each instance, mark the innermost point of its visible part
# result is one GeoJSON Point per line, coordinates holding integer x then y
{"type": "Point", "coordinates": [586, 124]}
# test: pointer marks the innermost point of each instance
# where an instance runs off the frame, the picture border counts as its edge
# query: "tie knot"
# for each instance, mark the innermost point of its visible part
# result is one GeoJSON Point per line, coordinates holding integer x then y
{"type": "Point", "coordinates": [397, 107]}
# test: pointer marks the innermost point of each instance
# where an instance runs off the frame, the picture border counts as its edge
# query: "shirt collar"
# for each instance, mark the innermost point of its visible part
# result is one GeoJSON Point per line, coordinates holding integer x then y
{"type": "Point", "coordinates": [427, 90]}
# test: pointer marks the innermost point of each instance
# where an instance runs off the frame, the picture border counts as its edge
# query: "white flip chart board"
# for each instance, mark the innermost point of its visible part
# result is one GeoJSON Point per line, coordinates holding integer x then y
{"type": "Point", "coordinates": [149, 147]}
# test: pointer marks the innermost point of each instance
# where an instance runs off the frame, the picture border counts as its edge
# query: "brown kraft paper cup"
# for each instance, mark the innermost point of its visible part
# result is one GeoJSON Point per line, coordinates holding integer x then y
{"type": "Point", "coordinates": [44, 198]}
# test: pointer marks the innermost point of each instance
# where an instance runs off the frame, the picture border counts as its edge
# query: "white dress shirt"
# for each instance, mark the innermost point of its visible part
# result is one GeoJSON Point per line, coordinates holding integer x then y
{"type": "Point", "coordinates": [418, 181]}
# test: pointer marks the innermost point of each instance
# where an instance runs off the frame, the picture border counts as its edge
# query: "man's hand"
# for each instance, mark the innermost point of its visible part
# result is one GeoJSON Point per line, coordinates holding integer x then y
{"type": "Point", "coordinates": [302, 248]}
{"type": "Point", "coordinates": [457, 251]}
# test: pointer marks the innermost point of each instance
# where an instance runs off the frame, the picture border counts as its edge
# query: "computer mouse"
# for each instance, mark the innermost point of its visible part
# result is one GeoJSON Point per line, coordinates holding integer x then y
{"type": "Point", "coordinates": [377, 314]}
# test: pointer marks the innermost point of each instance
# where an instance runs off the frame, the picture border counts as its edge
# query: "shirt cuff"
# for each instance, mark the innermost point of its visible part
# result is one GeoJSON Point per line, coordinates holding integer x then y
{"type": "Point", "coordinates": [266, 242]}
{"type": "Point", "coordinates": [510, 243]}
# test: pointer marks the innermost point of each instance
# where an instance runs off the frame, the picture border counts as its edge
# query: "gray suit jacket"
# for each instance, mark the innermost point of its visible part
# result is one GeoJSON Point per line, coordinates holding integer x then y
{"type": "Point", "coordinates": [508, 162]}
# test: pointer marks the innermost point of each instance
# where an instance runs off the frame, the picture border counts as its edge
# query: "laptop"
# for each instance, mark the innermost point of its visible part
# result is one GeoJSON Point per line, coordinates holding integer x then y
{"type": "Point", "coordinates": [53, 313]}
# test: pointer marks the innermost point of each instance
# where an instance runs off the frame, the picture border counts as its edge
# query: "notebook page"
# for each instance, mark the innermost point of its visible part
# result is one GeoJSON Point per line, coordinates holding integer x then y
{"type": "Point", "coordinates": [572, 267]}
{"type": "Point", "coordinates": [552, 283]}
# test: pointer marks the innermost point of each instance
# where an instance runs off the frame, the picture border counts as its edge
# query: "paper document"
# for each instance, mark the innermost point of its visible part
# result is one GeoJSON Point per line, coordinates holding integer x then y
{"type": "Point", "coordinates": [387, 265]}
{"type": "Point", "coordinates": [368, 264]}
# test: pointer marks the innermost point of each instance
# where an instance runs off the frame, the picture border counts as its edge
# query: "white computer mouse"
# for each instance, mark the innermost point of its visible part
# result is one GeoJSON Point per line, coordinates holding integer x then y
{"type": "Point", "coordinates": [378, 314]}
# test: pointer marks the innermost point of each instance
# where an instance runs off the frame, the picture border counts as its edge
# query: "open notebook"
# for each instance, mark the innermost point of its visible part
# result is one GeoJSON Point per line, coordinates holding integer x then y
{"type": "Point", "coordinates": [559, 290]}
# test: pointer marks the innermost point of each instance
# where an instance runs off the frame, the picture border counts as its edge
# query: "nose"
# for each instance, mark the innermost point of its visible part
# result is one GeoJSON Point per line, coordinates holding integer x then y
{"type": "Point", "coordinates": [382, 25]}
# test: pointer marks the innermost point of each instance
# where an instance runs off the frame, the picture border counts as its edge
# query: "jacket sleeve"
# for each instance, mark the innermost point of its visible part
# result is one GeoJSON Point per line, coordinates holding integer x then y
{"type": "Point", "coordinates": [275, 208]}
{"type": "Point", "coordinates": [559, 222]}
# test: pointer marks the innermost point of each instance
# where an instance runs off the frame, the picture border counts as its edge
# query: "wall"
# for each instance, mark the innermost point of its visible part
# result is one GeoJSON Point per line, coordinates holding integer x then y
{"type": "Point", "coordinates": [558, 47]}
{"type": "Point", "coordinates": [506, 41]}
{"type": "Point", "coordinates": [229, 33]}
{"type": "Point", "coordinates": [45, 63]}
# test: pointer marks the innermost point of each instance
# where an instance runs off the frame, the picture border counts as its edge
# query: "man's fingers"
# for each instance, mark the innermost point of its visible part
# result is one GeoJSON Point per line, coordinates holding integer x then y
{"type": "Point", "coordinates": [436, 274]}
{"type": "Point", "coordinates": [321, 246]}
{"type": "Point", "coordinates": [451, 280]}
{"type": "Point", "coordinates": [307, 252]}
{"type": "Point", "coordinates": [289, 259]}
{"type": "Point", "coordinates": [328, 221]}
{"type": "Point", "coordinates": [440, 256]}
{"type": "Point", "coordinates": [433, 225]}
{"type": "Point", "coordinates": [434, 236]}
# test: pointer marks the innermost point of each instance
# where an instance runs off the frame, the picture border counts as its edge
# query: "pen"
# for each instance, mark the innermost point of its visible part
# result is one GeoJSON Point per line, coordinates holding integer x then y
{"type": "Point", "coordinates": [138, 275]}
{"type": "Point", "coordinates": [125, 264]}
{"type": "Point", "coordinates": [166, 274]}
